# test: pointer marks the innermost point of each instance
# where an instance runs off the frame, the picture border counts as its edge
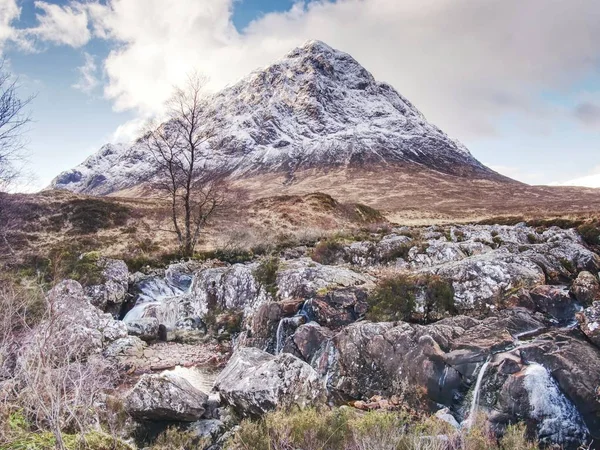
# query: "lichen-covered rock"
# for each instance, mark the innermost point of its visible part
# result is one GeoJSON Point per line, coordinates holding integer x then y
{"type": "Point", "coordinates": [226, 288]}
{"type": "Point", "coordinates": [112, 292]}
{"type": "Point", "coordinates": [130, 346]}
{"type": "Point", "coordinates": [165, 397]}
{"type": "Point", "coordinates": [487, 278]}
{"type": "Point", "coordinates": [586, 288]}
{"type": "Point", "coordinates": [589, 323]}
{"type": "Point", "coordinates": [304, 278]}
{"type": "Point", "coordinates": [310, 339]}
{"type": "Point", "coordinates": [254, 382]}
{"type": "Point", "coordinates": [77, 328]}
{"type": "Point", "coordinates": [146, 329]}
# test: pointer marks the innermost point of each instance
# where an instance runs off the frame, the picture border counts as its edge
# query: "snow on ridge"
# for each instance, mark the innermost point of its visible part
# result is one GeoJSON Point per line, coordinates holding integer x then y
{"type": "Point", "coordinates": [317, 106]}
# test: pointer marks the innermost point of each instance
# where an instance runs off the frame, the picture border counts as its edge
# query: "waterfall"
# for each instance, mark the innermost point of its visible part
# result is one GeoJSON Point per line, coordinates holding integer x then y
{"type": "Point", "coordinates": [558, 419]}
{"type": "Point", "coordinates": [468, 423]}
{"type": "Point", "coordinates": [281, 334]}
{"type": "Point", "coordinates": [443, 376]}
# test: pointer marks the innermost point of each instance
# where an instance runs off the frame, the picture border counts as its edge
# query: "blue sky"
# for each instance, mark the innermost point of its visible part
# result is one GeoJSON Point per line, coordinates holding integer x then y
{"type": "Point", "coordinates": [520, 86]}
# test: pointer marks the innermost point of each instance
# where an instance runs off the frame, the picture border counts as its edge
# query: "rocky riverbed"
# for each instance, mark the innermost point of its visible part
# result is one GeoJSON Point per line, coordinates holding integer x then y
{"type": "Point", "coordinates": [202, 343]}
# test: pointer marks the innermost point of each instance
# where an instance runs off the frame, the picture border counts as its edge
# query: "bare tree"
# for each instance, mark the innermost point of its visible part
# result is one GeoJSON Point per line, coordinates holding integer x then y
{"type": "Point", "coordinates": [57, 379]}
{"type": "Point", "coordinates": [181, 149]}
{"type": "Point", "coordinates": [13, 123]}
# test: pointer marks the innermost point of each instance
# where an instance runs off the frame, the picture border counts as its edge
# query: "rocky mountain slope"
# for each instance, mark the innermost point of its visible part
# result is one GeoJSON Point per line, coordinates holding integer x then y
{"type": "Point", "coordinates": [317, 108]}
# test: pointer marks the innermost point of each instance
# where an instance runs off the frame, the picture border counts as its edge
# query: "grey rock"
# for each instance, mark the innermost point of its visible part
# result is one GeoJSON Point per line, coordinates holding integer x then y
{"type": "Point", "coordinates": [110, 295]}
{"type": "Point", "coordinates": [129, 346]}
{"type": "Point", "coordinates": [254, 382]}
{"type": "Point", "coordinates": [303, 278]}
{"type": "Point", "coordinates": [146, 329]}
{"type": "Point", "coordinates": [165, 397]}
{"type": "Point", "coordinates": [586, 288]}
{"type": "Point", "coordinates": [589, 323]}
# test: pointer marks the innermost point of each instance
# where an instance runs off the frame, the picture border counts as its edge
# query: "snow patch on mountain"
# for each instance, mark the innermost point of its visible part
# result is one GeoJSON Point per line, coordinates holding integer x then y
{"type": "Point", "coordinates": [316, 107]}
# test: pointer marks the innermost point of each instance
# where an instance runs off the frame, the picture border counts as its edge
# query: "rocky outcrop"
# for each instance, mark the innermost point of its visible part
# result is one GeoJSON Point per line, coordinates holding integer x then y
{"type": "Point", "coordinates": [254, 382]}
{"type": "Point", "coordinates": [227, 288]}
{"type": "Point", "coordinates": [112, 292]}
{"type": "Point", "coordinates": [304, 278]}
{"type": "Point", "coordinates": [77, 328]}
{"type": "Point", "coordinates": [586, 288]}
{"type": "Point", "coordinates": [589, 323]}
{"type": "Point", "coordinates": [165, 397]}
{"type": "Point", "coordinates": [556, 302]}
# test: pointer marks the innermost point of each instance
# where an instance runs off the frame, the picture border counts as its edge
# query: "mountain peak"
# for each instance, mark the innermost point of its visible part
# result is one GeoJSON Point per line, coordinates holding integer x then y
{"type": "Point", "coordinates": [316, 108]}
{"type": "Point", "coordinates": [313, 46]}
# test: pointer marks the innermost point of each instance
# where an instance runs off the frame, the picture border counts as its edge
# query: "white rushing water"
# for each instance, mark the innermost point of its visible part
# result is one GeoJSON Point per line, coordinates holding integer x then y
{"type": "Point", "coordinates": [472, 417]}
{"type": "Point", "coordinates": [557, 417]}
{"type": "Point", "coordinates": [157, 298]}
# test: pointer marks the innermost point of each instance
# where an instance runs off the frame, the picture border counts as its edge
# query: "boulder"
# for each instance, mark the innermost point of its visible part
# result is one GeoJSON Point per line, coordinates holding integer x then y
{"type": "Point", "coordinates": [165, 397]}
{"type": "Point", "coordinates": [304, 278]}
{"type": "Point", "coordinates": [366, 359]}
{"type": "Point", "coordinates": [589, 323]}
{"type": "Point", "coordinates": [231, 287]}
{"type": "Point", "coordinates": [254, 382]}
{"type": "Point", "coordinates": [586, 288]}
{"type": "Point", "coordinates": [146, 329]}
{"type": "Point", "coordinates": [310, 339]}
{"type": "Point", "coordinates": [77, 328]}
{"type": "Point", "coordinates": [110, 295]}
{"type": "Point", "coordinates": [487, 278]}
{"type": "Point", "coordinates": [556, 302]}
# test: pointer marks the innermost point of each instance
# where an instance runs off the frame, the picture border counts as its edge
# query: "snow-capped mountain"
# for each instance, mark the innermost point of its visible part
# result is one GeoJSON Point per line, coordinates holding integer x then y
{"type": "Point", "coordinates": [315, 108]}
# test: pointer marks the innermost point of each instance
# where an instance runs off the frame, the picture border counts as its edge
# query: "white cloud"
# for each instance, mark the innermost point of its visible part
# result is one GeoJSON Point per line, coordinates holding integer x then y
{"type": "Point", "coordinates": [130, 130]}
{"type": "Point", "coordinates": [9, 13]}
{"type": "Point", "coordinates": [88, 80]}
{"type": "Point", "coordinates": [67, 25]}
{"type": "Point", "coordinates": [462, 62]}
{"type": "Point", "coordinates": [592, 180]}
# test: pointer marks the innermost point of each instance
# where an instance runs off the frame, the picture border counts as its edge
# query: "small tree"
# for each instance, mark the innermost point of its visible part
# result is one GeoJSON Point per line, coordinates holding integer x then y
{"type": "Point", "coordinates": [180, 147]}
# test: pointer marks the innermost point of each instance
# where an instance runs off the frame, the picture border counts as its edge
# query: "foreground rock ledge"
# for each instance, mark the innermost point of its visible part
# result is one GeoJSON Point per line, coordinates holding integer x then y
{"type": "Point", "coordinates": [255, 382]}
{"type": "Point", "coordinates": [165, 397]}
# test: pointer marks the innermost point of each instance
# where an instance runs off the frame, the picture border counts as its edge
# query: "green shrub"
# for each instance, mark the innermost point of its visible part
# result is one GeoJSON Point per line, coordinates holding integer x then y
{"type": "Point", "coordinates": [70, 263]}
{"type": "Point", "coordinates": [231, 256]}
{"type": "Point", "coordinates": [590, 233]}
{"type": "Point", "coordinates": [327, 252]}
{"type": "Point", "coordinates": [19, 434]}
{"type": "Point", "coordinates": [174, 438]}
{"type": "Point", "coordinates": [568, 265]}
{"type": "Point", "coordinates": [532, 238]}
{"type": "Point", "coordinates": [497, 240]}
{"type": "Point", "coordinates": [307, 430]}
{"type": "Point", "coordinates": [395, 298]}
{"type": "Point", "coordinates": [350, 429]}
{"type": "Point", "coordinates": [515, 438]}
{"type": "Point", "coordinates": [266, 274]}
